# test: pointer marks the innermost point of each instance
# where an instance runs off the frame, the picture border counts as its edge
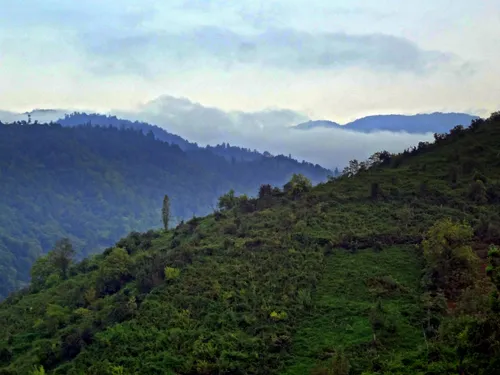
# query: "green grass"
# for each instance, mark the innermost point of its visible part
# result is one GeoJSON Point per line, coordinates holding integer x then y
{"type": "Point", "coordinates": [343, 302]}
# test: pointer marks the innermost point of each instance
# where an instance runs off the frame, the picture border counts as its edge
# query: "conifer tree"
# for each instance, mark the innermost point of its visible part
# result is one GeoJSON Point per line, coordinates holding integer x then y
{"type": "Point", "coordinates": [165, 212]}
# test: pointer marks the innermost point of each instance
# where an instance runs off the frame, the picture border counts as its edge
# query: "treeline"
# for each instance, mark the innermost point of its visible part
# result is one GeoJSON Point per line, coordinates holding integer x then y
{"type": "Point", "coordinates": [96, 184]}
{"type": "Point", "coordinates": [230, 152]}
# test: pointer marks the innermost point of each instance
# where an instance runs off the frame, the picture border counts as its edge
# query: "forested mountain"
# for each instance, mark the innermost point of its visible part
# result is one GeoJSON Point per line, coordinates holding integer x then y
{"type": "Point", "coordinates": [96, 184]}
{"type": "Point", "coordinates": [390, 269]}
{"type": "Point", "coordinates": [225, 149]}
{"type": "Point", "coordinates": [421, 123]}
{"type": "Point", "coordinates": [95, 119]}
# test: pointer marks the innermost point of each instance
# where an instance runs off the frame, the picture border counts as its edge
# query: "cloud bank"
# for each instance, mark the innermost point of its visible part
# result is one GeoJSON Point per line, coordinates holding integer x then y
{"type": "Point", "coordinates": [145, 53]}
{"type": "Point", "coordinates": [269, 130]}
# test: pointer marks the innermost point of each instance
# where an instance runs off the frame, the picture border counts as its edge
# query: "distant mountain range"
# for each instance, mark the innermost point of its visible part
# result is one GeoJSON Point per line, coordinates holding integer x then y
{"type": "Point", "coordinates": [421, 123]}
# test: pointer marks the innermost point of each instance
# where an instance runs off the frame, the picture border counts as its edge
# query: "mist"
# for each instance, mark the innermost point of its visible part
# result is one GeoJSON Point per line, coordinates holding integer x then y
{"type": "Point", "coordinates": [269, 130]}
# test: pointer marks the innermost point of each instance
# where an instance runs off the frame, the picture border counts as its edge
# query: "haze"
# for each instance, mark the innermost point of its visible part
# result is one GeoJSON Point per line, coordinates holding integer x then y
{"type": "Point", "coordinates": [295, 59]}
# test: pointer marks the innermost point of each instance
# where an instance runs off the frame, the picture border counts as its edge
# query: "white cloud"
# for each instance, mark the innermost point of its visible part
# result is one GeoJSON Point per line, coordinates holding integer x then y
{"type": "Point", "coordinates": [334, 59]}
{"type": "Point", "coordinates": [269, 130]}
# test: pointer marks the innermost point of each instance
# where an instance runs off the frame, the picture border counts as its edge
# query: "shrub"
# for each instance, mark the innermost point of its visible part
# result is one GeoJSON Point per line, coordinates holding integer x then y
{"type": "Point", "coordinates": [449, 256]}
{"type": "Point", "coordinates": [172, 273]}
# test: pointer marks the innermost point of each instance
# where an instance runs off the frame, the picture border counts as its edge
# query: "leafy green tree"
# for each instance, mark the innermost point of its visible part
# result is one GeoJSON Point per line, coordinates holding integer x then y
{"type": "Point", "coordinates": [452, 263]}
{"type": "Point", "coordinates": [62, 256]}
{"type": "Point", "coordinates": [298, 185]}
{"type": "Point", "coordinates": [40, 272]}
{"type": "Point", "coordinates": [228, 200]}
{"type": "Point", "coordinates": [114, 271]}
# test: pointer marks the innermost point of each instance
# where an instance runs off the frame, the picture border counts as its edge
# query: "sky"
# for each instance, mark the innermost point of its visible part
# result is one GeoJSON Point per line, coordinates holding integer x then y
{"type": "Point", "coordinates": [296, 59]}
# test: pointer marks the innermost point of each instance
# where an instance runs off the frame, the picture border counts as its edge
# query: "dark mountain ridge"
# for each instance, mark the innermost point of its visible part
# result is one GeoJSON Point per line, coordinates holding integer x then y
{"type": "Point", "coordinates": [224, 149]}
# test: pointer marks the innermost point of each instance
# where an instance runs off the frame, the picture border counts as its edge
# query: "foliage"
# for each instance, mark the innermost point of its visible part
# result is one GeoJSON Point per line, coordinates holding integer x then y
{"type": "Point", "coordinates": [298, 185]}
{"type": "Point", "coordinates": [94, 185]}
{"type": "Point", "coordinates": [61, 256]}
{"type": "Point", "coordinates": [38, 370]}
{"type": "Point", "coordinates": [324, 281]}
{"type": "Point", "coordinates": [172, 273]}
{"type": "Point", "coordinates": [449, 256]}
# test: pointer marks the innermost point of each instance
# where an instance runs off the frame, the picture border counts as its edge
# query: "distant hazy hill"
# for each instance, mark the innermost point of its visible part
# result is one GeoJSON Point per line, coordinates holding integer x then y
{"type": "Point", "coordinates": [422, 123]}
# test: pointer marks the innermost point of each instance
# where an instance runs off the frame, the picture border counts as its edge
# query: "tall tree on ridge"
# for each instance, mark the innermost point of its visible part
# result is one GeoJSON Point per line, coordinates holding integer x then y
{"type": "Point", "coordinates": [165, 211]}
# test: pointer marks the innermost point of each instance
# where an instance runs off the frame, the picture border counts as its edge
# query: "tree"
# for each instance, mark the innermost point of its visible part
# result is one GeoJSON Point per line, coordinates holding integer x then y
{"type": "Point", "coordinates": [114, 272]}
{"type": "Point", "coordinates": [165, 211]}
{"type": "Point", "coordinates": [298, 185]}
{"type": "Point", "coordinates": [265, 191]}
{"type": "Point", "coordinates": [227, 201]}
{"type": "Point", "coordinates": [452, 263]}
{"type": "Point", "coordinates": [40, 271]}
{"type": "Point", "coordinates": [62, 256]}
{"type": "Point", "coordinates": [351, 169]}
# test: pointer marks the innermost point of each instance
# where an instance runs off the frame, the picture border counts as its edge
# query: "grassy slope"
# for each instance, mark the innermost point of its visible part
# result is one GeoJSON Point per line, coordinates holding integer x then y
{"type": "Point", "coordinates": [344, 300]}
{"type": "Point", "coordinates": [238, 268]}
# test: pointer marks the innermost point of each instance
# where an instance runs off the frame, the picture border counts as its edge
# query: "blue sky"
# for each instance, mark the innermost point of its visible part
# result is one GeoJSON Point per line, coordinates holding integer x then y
{"type": "Point", "coordinates": [323, 59]}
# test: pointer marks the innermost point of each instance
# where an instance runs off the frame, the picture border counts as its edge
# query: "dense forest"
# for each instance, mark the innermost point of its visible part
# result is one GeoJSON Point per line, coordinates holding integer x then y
{"type": "Point", "coordinates": [96, 184]}
{"type": "Point", "coordinates": [392, 268]}
{"type": "Point", "coordinates": [225, 149]}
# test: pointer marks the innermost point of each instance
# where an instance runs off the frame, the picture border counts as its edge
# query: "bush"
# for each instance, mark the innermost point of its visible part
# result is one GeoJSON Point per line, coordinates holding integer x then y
{"type": "Point", "coordinates": [172, 273]}
{"type": "Point", "coordinates": [452, 263]}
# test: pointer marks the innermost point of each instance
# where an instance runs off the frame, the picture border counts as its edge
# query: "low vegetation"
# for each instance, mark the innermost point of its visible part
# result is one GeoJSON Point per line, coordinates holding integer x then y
{"type": "Point", "coordinates": [390, 269]}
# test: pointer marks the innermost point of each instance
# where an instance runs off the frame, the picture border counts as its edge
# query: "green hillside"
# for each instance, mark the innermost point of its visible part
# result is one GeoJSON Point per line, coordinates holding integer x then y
{"type": "Point", "coordinates": [390, 269]}
{"type": "Point", "coordinates": [97, 184]}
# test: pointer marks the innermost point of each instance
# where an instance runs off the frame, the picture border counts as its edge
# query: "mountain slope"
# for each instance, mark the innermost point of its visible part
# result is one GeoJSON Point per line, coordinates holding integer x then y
{"type": "Point", "coordinates": [95, 185]}
{"type": "Point", "coordinates": [94, 119]}
{"type": "Point", "coordinates": [225, 150]}
{"type": "Point", "coordinates": [421, 123]}
{"type": "Point", "coordinates": [300, 280]}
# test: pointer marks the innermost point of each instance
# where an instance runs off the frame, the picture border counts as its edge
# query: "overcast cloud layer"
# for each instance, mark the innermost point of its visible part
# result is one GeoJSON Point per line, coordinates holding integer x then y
{"type": "Point", "coordinates": [256, 66]}
{"type": "Point", "coordinates": [330, 59]}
